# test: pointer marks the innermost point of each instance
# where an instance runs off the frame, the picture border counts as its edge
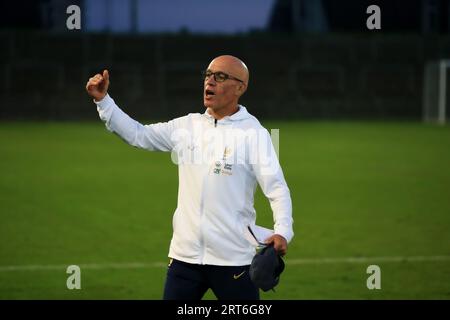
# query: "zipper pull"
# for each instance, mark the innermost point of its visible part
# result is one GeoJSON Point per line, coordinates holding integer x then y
{"type": "Point", "coordinates": [215, 122]}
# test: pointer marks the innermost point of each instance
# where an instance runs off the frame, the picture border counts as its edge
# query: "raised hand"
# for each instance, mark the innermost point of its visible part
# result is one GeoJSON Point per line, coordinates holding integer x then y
{"type": "Point", "coordinates": [97, 86]}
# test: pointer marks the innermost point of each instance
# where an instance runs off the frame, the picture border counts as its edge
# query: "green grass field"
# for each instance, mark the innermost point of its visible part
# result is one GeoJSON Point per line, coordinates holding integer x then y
{"type": "Point", "coordinates": [73, 193]}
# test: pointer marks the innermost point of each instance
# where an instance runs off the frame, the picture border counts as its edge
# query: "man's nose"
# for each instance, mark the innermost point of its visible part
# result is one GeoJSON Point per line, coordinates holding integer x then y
{"type": "Point", "coordinates": [210, 81]}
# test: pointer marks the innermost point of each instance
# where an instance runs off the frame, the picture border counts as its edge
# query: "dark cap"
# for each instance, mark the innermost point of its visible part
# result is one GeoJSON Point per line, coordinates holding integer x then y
{"type": "Point", "coordinates": [266, 268]}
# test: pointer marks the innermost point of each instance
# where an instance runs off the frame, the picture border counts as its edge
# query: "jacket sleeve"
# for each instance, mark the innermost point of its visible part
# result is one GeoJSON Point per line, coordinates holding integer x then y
{"type": "Point", "coordinates": [267, 169]}
{"type": "Point", "coordinates": [153, 137]}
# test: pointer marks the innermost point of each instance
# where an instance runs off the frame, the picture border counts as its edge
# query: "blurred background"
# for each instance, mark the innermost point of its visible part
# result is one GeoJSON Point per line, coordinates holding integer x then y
{"type": "Point", "coordinates": [363, 140]}
{"type": "Point", "coordinates": [316, 58]}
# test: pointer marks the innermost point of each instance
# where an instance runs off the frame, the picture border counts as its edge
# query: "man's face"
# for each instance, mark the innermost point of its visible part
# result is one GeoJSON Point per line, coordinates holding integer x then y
{"type": "Point", "coordinates": [216, 94]}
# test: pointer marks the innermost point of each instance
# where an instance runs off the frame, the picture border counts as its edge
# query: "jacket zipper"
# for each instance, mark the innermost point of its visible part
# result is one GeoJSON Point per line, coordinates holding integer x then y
{"type": "Point", "coordinates": [202, 237]}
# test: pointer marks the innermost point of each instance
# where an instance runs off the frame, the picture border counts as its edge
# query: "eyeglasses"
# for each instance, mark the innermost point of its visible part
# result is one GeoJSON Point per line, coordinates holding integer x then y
{"type": "Point", "coordinates": [219, 76]}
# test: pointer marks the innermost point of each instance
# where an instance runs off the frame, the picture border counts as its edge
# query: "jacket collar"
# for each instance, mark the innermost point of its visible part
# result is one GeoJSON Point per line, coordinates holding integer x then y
{"type": "Point", "coordinates": [240, 115]}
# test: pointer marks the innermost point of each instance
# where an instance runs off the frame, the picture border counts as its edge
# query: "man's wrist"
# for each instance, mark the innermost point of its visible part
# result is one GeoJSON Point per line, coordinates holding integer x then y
{"type": "Point", "coordinates": [281, 236]}
{"type": "Point", "coordinates": [105, 102]}
{"type": "Point", "coordinates": [284, 232]}
{"type": "Point", "coordinates": [98, 100]}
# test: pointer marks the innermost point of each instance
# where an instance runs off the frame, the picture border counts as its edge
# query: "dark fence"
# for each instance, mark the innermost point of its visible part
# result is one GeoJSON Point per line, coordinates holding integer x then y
{"type": "Point", "coordinates": [42, 76]}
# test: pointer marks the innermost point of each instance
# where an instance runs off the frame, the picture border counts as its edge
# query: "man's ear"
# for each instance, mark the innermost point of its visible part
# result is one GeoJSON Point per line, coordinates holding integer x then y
{"type": "Point", "coordinates": [240, 89]}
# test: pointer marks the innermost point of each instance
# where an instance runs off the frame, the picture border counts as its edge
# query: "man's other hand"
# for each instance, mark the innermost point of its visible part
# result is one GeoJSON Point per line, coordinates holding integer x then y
{"type": "Point", "coordinates": [97, 86]}
{"type": "Point", "coordinates": [279, 243]}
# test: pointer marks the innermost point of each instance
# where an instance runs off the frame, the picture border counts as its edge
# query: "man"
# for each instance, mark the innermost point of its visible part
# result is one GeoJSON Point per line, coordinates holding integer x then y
{"type": "Point", "coordinates": [220, 158]}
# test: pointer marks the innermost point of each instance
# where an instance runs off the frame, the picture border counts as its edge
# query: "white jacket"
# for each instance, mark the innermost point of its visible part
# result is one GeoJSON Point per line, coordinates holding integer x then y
{"type": "Point", "coordinates": [216, 189]}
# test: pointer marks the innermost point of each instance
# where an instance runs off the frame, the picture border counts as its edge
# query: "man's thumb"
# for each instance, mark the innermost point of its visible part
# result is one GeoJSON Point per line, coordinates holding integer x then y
{"type": "Point", "coordinates": [106, 75]}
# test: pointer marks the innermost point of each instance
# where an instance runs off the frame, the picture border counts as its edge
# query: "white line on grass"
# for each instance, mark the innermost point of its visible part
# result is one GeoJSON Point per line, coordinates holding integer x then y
{"type": "Point", "coordinates": [138, 265]}
{"type": "Point", "coordinates": [84, 266]}
{"type": "Point", "coordinates": [367, 259]}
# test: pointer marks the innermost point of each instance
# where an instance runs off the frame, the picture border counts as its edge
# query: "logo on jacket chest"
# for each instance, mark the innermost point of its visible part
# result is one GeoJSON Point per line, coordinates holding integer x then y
{"type": "Point", "coordinates": [223, 166]}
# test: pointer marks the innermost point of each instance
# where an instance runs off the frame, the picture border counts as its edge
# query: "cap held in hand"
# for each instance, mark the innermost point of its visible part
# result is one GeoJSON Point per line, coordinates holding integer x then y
{"type": "Point", "coordinates": [266, 268]}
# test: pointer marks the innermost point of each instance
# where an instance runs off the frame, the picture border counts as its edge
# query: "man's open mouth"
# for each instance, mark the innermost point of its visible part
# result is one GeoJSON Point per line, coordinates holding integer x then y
{"type": "Point", "coordinates": [209, 93]}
